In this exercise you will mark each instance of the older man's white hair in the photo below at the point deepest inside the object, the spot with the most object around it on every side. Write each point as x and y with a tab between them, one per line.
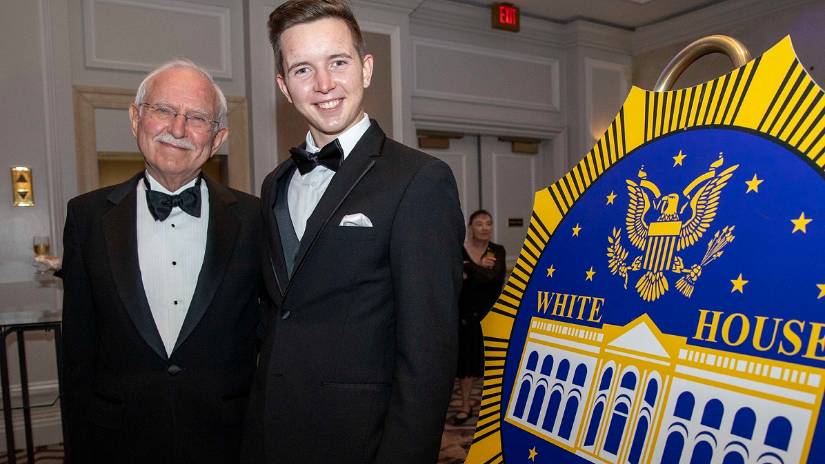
189	64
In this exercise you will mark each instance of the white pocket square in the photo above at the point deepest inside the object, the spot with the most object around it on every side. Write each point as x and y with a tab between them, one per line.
355	220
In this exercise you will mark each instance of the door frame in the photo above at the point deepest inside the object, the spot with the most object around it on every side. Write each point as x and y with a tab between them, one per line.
89	98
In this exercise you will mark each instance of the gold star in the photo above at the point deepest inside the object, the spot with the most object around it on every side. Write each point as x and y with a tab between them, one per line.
821	288
590	273
738	284
800	223
550	271
576	230
753	184
533	454
677	160
611	197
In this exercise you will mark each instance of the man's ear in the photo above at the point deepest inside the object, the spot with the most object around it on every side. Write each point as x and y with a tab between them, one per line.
282	85
218	140
366	66
134	117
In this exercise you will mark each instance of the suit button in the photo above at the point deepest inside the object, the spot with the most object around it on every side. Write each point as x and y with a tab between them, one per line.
174	369
286	314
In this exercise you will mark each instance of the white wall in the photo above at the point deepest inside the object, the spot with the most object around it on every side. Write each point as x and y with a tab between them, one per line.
28	137
548	81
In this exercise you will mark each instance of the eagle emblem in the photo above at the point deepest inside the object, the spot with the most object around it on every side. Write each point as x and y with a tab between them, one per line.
668	233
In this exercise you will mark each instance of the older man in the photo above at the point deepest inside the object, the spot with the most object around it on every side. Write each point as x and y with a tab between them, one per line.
162	282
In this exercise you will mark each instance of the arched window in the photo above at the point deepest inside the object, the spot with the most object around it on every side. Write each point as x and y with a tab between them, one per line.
743	423
684	406
673	448
629	381
535	406
580	375
638	441
547	365
652	391
532	361
570	412
552	411
593	428
712	415
733	458
521	400
564	369
616	429
607	377
779	433
702	453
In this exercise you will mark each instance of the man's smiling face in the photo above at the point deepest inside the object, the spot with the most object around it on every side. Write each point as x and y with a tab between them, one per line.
324	76
172	150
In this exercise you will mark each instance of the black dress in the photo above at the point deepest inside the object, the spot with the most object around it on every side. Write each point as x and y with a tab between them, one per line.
478	293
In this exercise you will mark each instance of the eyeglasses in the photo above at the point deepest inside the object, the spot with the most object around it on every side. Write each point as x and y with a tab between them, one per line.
195	121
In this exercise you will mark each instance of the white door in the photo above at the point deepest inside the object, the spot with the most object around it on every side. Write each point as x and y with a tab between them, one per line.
462	157
491	176
508	184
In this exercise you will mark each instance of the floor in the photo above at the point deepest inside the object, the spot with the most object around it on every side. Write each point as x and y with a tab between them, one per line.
455	440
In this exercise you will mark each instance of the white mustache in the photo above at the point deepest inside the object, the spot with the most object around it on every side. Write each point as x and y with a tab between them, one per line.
166	137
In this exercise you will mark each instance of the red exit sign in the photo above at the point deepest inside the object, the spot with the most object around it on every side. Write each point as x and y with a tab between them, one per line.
505	16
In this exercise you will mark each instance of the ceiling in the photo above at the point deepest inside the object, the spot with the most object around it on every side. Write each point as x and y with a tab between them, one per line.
628	14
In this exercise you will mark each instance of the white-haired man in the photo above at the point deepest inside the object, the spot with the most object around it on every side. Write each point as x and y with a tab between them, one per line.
161	291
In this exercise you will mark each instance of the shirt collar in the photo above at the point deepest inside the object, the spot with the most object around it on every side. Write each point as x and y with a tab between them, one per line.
347	139
157	187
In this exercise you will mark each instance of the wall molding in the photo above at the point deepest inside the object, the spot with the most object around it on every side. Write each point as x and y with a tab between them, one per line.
222	14
46	422
480	126
481	100
57	110
394	32
87	99
710	20
551	63
395	6
583	33
476	20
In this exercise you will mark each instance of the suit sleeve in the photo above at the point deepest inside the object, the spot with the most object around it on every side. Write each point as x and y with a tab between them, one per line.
78	341
426	266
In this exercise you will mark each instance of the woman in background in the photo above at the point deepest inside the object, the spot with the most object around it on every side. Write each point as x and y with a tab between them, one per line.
484	268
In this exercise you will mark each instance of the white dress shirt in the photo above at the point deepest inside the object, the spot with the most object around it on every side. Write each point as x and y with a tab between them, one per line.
305	191
170	255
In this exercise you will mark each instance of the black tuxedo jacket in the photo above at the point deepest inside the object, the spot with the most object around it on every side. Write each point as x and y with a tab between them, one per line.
126	401
359	355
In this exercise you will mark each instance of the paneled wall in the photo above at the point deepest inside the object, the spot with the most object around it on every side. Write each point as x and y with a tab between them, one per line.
536	83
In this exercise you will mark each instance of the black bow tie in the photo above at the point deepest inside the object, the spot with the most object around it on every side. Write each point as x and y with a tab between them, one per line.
331	156
161	204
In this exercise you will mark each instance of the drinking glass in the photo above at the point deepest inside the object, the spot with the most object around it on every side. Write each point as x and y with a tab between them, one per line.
41	245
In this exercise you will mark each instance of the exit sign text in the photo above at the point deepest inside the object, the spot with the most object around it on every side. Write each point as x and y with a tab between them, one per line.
505	16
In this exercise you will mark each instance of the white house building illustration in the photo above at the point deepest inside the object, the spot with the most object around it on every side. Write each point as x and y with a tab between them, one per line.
634	395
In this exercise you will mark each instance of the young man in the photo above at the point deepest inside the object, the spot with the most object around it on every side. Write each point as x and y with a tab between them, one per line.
363	264
161	279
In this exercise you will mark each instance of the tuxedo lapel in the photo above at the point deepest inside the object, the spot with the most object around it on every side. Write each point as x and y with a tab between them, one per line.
268	199
120	235
220	243
354	168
